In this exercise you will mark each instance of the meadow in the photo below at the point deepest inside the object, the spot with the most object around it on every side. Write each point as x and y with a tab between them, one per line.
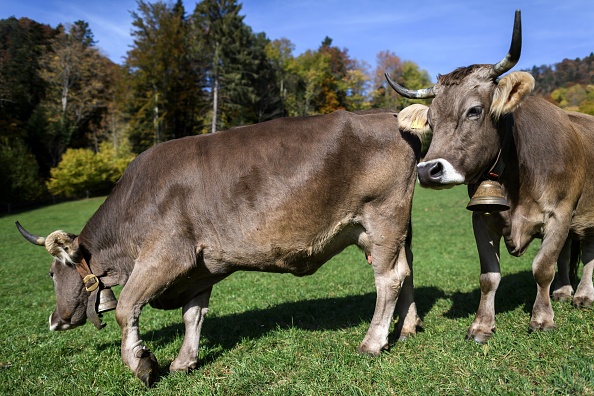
271	334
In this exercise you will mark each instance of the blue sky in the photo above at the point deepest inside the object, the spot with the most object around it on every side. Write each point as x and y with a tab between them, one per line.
439	35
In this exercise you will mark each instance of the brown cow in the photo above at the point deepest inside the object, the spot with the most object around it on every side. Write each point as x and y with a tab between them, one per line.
281	196
546	176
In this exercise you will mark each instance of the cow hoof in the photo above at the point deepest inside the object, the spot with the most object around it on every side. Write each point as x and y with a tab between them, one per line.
582	302
182	367
147	369
405	332
366	349
478	337
560	296
541	326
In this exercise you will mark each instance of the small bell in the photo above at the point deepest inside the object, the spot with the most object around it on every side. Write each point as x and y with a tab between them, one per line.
107	301
488	198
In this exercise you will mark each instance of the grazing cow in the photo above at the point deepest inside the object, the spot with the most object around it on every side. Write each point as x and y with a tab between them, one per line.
545	179
281	196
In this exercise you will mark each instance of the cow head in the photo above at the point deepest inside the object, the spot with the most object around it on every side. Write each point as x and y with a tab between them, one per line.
465	117
71	295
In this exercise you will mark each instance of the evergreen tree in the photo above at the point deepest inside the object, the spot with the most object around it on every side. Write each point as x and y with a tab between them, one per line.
235	65
162	75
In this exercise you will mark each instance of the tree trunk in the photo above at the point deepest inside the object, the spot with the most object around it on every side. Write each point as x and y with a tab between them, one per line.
215	104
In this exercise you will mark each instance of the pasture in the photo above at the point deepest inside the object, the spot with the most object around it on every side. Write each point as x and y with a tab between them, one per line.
271	334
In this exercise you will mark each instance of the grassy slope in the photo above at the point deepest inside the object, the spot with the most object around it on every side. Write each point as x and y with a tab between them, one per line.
281	335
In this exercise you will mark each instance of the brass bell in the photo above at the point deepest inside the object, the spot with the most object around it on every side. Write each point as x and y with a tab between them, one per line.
107	301
488	198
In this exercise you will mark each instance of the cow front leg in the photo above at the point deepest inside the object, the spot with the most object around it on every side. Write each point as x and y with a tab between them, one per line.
408	318
390	272
135	354
193	313
562	290
152	274
487	239
584	295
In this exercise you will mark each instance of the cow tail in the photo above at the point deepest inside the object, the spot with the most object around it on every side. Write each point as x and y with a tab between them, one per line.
574	260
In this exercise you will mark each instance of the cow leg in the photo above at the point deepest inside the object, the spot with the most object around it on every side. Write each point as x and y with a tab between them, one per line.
543	269
584	295
134	353
487	239
154	270
193	313
390	271
408	319
562	290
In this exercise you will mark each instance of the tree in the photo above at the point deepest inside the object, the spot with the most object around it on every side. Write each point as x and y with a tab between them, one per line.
322	81
280	55
77	90
82	172
19	177
22	43
405	73
163	79
233	60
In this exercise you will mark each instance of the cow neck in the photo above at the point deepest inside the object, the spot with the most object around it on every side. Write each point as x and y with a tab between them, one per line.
494	173
92	285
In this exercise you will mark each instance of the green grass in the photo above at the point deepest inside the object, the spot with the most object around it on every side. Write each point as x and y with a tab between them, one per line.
276	334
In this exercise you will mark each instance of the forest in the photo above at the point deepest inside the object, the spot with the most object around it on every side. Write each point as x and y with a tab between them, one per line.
71	119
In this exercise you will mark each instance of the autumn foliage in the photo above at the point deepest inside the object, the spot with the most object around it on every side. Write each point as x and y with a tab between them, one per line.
188	72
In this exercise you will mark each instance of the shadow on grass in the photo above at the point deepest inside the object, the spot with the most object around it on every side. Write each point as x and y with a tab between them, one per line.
226	332
514	290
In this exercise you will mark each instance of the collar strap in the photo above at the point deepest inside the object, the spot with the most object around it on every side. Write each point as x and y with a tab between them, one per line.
508	136
92	283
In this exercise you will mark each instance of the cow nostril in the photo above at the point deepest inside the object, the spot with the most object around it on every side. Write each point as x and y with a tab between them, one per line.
436	170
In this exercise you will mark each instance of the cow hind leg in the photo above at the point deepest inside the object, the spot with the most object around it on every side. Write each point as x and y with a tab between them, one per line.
584	295
408	318
390	271
543	269
562	289
193	314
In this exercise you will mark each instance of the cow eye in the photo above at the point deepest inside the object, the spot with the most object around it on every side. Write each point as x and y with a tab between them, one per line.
475	112
51	274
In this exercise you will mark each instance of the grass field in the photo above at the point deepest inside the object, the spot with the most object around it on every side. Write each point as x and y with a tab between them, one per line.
270	334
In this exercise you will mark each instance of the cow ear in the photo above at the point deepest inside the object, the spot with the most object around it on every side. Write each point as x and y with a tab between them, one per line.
413	119
510	93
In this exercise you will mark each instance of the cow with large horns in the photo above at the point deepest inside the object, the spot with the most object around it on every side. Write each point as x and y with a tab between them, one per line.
280	196
488	127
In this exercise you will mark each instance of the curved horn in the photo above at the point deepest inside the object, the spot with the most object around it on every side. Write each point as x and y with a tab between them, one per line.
409	93
34	239
513	55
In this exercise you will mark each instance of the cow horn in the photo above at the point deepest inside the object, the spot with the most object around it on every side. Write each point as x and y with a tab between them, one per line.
34	239
513	55
409	93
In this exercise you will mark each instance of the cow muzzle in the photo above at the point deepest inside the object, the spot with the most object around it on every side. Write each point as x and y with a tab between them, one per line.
57	324
438	174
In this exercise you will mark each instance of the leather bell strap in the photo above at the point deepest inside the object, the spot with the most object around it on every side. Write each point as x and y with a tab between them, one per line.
495	172
91	283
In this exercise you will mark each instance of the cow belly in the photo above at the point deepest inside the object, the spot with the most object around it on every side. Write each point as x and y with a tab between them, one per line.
299	258
184	289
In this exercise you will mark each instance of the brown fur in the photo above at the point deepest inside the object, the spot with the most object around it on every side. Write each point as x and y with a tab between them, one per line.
281	196
545	180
